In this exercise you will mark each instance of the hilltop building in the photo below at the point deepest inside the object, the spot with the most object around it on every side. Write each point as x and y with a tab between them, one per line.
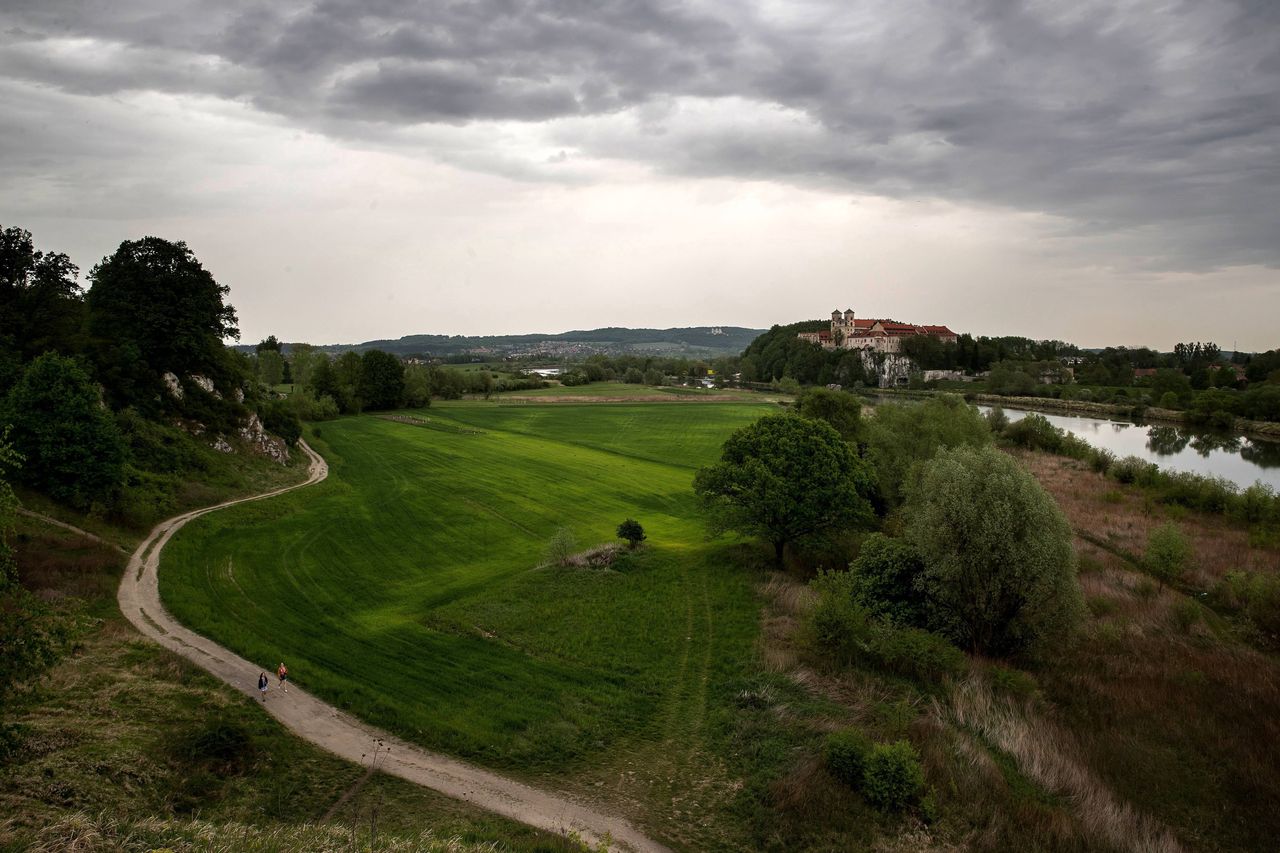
885	336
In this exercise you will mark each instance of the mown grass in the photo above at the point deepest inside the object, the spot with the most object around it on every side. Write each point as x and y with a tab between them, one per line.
408	588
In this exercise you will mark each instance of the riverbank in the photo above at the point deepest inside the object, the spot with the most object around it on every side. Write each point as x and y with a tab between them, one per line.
1263	429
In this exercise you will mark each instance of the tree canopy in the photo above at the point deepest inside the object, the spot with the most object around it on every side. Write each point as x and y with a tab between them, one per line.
784	478
153	308
842	410
73	449
999	569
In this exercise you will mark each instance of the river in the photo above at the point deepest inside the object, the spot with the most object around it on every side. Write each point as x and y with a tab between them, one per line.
1237	458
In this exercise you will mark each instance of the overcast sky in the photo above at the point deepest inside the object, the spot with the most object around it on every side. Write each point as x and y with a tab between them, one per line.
1101	172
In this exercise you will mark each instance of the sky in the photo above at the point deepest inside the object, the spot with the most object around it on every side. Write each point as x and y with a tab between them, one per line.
1101	171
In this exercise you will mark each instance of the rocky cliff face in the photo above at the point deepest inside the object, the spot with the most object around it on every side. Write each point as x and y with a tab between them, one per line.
269	445
252	431
890	369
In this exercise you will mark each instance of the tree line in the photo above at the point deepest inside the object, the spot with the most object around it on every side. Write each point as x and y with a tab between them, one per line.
93	379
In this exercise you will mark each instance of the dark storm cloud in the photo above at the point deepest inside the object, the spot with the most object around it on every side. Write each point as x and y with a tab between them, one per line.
1156	123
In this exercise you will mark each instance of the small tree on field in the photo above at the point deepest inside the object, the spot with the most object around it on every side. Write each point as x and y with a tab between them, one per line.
999	569
561	547
631	531
1168	553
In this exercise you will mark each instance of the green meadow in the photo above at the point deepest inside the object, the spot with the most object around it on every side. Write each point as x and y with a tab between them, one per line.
409	586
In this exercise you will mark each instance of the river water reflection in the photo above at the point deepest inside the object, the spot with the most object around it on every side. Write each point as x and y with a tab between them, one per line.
1237	458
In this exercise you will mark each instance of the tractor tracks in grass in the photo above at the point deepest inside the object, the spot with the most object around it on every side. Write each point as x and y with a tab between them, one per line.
340	733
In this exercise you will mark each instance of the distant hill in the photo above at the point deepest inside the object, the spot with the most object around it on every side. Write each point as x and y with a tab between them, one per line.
692	342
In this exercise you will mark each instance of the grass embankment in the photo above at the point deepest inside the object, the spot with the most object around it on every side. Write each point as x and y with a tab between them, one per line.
407	588
129	747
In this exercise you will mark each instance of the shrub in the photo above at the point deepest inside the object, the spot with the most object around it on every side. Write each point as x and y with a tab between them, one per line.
837	623
1101	460
560	548
845	754
1168	553
1256	504
892	778
997	420
1000	571
912	652
1257	595
1034	432
282	420
1131	469
1186	613
886	579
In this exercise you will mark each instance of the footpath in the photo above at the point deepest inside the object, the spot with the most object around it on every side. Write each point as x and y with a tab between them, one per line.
342	734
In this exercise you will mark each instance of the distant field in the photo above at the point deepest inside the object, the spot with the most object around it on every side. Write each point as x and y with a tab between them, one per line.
624	390
406	586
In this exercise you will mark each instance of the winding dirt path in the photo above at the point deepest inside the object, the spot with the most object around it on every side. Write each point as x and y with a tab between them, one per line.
340	733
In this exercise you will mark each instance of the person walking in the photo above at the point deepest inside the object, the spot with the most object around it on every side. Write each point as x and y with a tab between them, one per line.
262	685
283	674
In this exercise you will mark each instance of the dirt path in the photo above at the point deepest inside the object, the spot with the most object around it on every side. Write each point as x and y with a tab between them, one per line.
339	733
92	537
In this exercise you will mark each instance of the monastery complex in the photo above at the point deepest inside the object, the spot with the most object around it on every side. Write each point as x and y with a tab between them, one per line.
848	332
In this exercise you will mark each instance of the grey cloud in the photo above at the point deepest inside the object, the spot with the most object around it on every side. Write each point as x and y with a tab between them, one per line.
1152	122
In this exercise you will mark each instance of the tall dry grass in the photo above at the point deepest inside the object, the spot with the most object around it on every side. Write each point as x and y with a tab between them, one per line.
1048	754
1124	517
84	833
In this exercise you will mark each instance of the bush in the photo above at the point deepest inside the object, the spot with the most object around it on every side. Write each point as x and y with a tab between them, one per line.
1257	595
838	624
892	778
1034	432
997	420
1000	572
886	580
1131	469
279	418
845	754
307	407
1168	553
1256	504
1101	460
913	652
560	548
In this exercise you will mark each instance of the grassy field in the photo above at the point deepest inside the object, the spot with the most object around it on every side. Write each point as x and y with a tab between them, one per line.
128	747
623	390
408	588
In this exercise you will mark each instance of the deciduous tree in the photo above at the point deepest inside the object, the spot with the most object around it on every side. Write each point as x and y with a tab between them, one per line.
999	569
784	478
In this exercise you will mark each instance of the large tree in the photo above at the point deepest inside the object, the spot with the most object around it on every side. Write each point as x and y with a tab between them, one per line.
153	308
71	445
999	571
381	380
784	478
41	306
